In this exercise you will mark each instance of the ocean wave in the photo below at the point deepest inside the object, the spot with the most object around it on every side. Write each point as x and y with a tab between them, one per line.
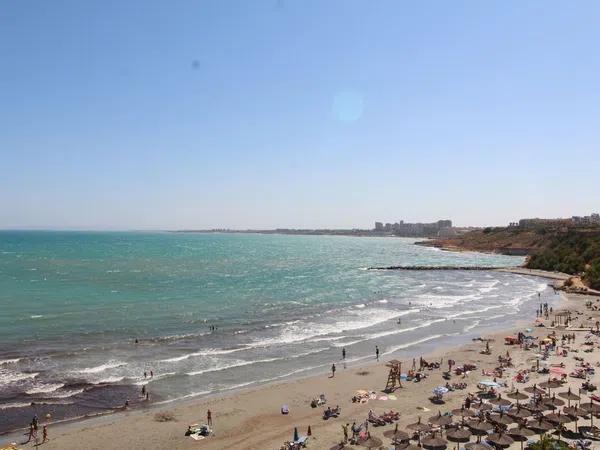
355	320
471	326
13	377
146	381
108	380
66	393
231	366
208	352
9	361
14	405
103	367
44	388
394	349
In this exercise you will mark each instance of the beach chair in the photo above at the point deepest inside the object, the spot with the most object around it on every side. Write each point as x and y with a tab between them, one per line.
301	442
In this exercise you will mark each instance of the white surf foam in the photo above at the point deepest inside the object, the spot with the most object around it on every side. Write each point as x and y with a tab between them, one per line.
103	367
239	363
14	405
208	352
44	388
9	361
14	377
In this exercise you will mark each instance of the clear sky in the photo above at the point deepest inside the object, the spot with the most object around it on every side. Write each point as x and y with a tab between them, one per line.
195	114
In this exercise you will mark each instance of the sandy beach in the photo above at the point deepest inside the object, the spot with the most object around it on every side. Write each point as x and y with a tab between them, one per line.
252	419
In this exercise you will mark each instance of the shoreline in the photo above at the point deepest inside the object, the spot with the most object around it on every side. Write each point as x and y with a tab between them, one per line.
182	407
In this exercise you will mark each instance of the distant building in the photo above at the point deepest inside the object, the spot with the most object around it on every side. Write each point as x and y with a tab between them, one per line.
402	228
575	221
537	222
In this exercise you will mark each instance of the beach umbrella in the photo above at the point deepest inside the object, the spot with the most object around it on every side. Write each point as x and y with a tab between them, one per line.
396	435
440	420
434	441
296	436
550	384
500	439
558	418
537	408
535	390
501	418
520	434
591	409
371	442
477	446
480	428
553	401
540	426
519	413
569	396
517	396
482	406
407	446
500	401
419	426
463	412
458	435
575	413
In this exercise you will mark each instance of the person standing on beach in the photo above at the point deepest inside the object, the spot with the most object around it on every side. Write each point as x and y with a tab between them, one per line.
44	433
345	428
209	418
333	370
344	353
377	353
151	374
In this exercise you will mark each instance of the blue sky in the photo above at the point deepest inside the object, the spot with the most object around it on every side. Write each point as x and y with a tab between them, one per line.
196	114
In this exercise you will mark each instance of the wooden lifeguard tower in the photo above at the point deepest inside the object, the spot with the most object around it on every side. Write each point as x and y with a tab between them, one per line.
393	380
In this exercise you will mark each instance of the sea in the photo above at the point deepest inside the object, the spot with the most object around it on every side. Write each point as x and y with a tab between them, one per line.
213	312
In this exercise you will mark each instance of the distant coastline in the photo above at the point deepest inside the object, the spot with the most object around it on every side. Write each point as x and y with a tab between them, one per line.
307	232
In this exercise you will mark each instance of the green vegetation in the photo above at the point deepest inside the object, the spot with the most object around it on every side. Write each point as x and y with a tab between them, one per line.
548	442
573	252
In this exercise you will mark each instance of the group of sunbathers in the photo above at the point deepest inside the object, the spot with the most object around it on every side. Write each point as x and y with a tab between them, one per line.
383	419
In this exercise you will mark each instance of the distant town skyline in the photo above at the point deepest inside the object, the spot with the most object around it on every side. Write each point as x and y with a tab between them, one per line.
276	114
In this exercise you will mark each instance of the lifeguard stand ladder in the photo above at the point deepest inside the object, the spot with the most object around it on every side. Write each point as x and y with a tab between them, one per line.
393	375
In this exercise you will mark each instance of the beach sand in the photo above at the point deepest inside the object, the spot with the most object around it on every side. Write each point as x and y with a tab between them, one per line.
251	419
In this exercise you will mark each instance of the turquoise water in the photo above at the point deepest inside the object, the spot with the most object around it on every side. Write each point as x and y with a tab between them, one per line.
72	304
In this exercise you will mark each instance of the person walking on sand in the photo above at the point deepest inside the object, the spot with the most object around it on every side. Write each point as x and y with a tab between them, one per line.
333	370
209	418
44	433
377	353
344	353
31	432
345	428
